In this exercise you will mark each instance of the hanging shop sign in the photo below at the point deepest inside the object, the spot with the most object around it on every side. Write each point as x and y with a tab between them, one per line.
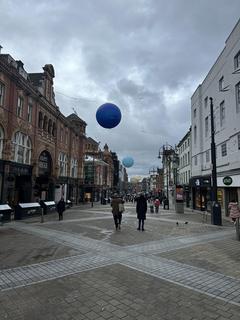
227	180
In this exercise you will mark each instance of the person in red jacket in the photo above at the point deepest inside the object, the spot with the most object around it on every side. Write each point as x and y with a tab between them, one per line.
156	204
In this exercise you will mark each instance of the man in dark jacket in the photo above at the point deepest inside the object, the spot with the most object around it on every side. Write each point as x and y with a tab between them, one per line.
141	209
61	208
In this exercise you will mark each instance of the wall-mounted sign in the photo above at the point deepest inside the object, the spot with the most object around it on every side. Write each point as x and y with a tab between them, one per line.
179	193
44	163
227	181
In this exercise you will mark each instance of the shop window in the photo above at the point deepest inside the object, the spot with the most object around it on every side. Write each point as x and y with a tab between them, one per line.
22	148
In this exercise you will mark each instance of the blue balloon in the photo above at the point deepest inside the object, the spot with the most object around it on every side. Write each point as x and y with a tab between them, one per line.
108	115
128	162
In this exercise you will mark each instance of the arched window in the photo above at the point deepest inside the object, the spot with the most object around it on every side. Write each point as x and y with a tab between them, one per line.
45	122
62	161
22	148
74	168
1	141
50	126
40	120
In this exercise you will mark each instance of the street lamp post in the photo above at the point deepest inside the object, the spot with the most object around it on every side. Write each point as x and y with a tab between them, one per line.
93	181
216	217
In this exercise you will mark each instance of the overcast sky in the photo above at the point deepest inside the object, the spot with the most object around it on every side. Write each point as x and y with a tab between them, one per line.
146	56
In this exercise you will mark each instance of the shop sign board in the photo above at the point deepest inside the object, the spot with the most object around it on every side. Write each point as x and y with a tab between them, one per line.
227	180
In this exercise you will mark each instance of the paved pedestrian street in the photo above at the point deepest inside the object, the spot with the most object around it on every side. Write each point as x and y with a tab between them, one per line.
82	268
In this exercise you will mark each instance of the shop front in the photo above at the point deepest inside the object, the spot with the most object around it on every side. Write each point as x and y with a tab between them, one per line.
17	183
45	183
201	192
230	188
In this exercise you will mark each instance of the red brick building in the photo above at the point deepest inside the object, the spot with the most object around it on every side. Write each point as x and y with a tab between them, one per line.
41	150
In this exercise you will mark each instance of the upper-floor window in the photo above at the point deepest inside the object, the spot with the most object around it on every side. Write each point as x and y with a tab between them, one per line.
188	157
54	129
45	123
66	137
195	113
2	92
207	156
239	142
62	161
29	111
237	92
222	113
1	141
61	134
49	126
237	61
74	167
22	148
20	102
195	160
224	149
40	120
195	134
221	83
188	142
206	126
206	102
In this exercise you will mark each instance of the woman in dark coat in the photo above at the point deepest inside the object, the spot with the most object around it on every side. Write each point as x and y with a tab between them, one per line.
141	209
61	208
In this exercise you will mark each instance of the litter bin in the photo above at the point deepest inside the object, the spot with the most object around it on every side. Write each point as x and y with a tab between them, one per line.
48	206
24	210
5	212
216	214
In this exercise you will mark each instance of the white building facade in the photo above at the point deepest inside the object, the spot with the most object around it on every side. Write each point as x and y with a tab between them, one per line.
184	165
222	83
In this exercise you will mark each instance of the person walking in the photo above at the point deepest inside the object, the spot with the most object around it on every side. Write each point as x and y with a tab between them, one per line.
117	215
234	210
156	204
141	209
61	208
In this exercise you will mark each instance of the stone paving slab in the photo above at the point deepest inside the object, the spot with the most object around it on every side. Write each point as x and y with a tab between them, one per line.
111	293
219	256
18	248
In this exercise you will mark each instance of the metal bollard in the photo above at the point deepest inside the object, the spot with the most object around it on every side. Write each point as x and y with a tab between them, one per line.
1	219
42	216
237	229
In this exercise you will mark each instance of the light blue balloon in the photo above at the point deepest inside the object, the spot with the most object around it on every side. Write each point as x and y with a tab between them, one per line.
128	162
